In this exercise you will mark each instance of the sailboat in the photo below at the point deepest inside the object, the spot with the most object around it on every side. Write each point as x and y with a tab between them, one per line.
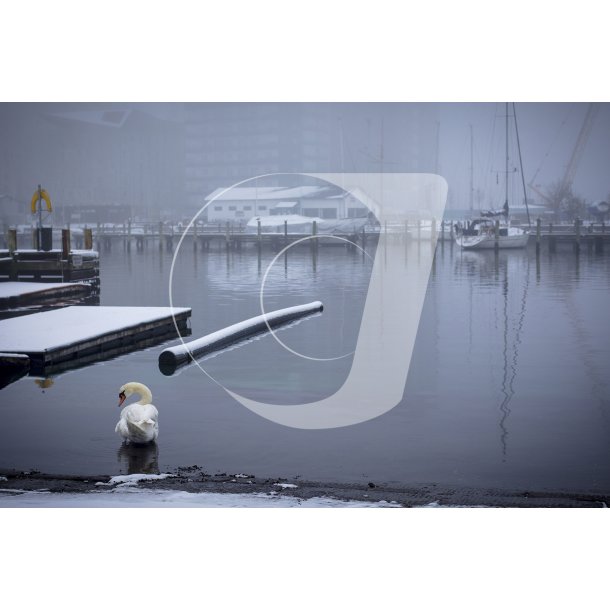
480	233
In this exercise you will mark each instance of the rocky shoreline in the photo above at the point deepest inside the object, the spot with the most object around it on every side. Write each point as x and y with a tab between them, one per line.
193	479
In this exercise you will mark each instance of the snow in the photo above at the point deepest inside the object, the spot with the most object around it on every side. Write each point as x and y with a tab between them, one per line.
240	330
286	485
3	479
263	193
134	479
15	289
86	253
302	224
140	498
437	505
62	327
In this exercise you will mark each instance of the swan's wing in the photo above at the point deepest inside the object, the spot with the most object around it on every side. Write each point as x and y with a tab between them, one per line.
137	413
149	412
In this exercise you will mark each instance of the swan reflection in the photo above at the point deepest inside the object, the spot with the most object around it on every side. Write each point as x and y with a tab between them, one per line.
139	459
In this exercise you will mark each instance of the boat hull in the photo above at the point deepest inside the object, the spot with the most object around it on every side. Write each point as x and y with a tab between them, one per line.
488	242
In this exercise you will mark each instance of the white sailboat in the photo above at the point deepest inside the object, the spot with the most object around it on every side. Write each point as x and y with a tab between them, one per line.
480	233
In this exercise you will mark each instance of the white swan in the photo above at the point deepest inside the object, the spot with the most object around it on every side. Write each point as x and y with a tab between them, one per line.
139	421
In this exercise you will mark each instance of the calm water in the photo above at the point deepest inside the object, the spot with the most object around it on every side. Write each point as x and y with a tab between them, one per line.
508	385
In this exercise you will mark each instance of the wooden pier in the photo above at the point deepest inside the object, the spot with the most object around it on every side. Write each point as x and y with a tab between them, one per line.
62	264
73	265
12	368
578	235
20	294
62	339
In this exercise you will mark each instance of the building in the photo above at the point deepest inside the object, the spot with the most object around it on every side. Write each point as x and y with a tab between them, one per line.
91	155
240	204
229	143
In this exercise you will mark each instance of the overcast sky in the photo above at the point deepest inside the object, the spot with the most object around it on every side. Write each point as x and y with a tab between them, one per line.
548	133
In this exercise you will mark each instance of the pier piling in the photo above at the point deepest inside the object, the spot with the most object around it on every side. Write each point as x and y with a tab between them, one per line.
65	244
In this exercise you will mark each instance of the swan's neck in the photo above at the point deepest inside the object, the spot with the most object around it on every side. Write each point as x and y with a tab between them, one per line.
145	395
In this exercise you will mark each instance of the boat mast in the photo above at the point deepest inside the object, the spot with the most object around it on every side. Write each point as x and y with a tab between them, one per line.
506	168
471	170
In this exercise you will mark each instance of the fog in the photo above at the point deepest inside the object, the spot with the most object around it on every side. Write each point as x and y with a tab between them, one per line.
158	159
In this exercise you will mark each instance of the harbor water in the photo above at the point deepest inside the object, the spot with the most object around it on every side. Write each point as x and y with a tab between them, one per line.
508	385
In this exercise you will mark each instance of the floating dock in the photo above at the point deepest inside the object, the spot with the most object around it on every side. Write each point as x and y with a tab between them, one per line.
18	294
71	337
173	357
51	265
12	367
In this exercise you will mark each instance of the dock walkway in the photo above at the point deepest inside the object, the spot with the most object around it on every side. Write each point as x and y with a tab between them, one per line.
74	336
17	294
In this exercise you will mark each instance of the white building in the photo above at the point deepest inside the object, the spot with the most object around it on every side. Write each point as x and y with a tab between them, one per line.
240	204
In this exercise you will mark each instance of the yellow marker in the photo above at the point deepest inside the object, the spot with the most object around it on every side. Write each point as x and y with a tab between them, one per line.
38	194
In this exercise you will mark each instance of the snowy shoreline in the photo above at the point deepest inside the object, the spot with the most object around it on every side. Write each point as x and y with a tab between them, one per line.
191	486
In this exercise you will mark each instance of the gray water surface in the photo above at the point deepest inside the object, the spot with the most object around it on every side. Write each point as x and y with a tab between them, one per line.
508	385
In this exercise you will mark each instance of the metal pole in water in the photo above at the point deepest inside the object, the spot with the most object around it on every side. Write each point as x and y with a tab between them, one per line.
285	244
538	221
65	244
39	217
12	240
314	242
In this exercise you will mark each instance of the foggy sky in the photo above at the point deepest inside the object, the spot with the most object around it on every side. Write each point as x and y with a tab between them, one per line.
158	158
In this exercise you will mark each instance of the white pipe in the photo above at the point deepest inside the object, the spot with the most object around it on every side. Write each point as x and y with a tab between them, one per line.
172	357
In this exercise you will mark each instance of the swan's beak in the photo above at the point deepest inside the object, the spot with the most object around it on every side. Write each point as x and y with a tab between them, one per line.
122	398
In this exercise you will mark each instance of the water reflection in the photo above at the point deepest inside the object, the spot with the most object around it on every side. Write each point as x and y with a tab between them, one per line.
507	387
511	355
490	273
139	459
45	383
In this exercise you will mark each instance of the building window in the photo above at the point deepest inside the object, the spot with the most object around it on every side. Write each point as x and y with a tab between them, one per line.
313	212
329	212
262	207
232	208
357	213
218	208
247	207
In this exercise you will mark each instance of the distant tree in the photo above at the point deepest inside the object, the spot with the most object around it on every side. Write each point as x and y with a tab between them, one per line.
564	202
574	206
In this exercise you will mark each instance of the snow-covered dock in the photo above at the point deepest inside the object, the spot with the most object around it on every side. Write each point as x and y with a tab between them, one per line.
73	336
173	357
16	294
58	265
12	367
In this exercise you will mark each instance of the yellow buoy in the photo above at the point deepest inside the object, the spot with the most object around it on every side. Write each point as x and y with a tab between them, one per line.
41	194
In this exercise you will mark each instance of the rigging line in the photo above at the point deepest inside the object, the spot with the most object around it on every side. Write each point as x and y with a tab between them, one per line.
527	209
565	120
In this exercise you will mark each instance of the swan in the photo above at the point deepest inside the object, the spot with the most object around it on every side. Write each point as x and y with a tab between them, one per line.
139	421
